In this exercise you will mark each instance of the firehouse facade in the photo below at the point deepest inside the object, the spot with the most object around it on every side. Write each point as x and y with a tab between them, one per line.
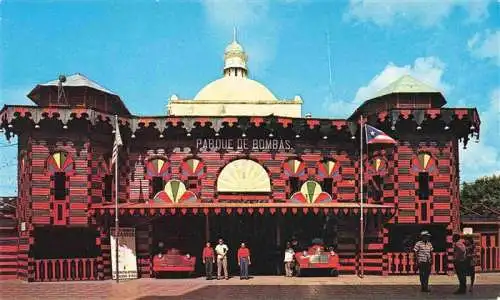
234	162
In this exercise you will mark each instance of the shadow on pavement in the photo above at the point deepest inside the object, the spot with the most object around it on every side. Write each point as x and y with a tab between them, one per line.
350	292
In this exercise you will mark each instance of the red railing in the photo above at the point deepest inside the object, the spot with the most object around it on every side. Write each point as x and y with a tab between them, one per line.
404	263
65	269
490	259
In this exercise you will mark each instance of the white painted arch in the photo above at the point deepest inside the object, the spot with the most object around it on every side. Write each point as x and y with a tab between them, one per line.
243	176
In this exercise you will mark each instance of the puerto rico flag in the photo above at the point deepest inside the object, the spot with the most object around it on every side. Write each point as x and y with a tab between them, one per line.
375	136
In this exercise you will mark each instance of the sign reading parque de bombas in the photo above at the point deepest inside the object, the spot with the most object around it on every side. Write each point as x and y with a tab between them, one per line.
244	144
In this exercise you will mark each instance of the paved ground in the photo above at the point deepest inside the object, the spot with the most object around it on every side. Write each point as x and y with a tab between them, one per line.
264	287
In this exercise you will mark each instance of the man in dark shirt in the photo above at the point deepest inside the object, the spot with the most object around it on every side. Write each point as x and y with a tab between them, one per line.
459	259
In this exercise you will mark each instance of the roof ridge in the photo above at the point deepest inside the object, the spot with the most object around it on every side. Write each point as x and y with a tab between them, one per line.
399	86
79	79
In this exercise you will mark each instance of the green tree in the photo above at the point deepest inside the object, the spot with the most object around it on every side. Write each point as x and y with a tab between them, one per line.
485	191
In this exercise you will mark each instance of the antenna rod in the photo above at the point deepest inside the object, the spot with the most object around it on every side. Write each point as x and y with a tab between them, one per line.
61	96
330	79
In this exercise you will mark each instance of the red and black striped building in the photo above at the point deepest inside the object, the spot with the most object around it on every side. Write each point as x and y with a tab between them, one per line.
261	179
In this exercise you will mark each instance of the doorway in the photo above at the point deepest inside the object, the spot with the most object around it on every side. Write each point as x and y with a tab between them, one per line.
267	235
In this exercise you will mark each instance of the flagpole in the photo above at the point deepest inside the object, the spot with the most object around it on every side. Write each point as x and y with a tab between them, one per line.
361	219
117	225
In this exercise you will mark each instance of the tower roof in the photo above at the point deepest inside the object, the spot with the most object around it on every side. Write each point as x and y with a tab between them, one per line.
79	80
406	84
76	86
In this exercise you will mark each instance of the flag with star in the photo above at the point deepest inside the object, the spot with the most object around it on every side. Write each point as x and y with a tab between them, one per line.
376	136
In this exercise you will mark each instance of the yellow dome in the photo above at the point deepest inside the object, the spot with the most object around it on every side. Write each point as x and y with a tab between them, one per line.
235	88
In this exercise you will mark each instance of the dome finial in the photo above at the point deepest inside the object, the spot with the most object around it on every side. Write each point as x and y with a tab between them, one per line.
235	59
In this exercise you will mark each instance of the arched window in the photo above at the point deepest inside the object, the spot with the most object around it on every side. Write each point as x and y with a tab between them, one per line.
157	171
243	176
192	170
377	168
294	170
328	170
59	165
424	165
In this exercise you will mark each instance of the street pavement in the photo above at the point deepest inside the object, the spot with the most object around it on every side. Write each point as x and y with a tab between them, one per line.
261	287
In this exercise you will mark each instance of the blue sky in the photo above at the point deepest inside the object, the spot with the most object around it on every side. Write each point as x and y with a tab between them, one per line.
148	50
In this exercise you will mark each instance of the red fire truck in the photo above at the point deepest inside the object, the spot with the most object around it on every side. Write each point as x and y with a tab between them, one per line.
317	257
173	260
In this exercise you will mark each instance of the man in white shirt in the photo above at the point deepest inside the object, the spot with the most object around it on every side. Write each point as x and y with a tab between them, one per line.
289	255
221	251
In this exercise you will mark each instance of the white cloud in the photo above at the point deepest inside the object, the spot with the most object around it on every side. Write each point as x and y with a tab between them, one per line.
429	70
426	13
8	166
254	23
483	158
339	108
15	95
478	160
426	69
485	45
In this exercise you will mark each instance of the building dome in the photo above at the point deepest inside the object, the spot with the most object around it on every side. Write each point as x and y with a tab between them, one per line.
235	88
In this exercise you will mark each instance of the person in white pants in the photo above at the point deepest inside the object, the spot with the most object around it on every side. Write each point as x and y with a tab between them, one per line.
221	250
289	254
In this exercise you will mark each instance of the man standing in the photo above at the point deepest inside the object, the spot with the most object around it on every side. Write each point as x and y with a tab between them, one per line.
470	261
423	251
221	250
244	261
208	260
289	254
459	259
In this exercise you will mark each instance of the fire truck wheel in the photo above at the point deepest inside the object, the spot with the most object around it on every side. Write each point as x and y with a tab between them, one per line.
334	273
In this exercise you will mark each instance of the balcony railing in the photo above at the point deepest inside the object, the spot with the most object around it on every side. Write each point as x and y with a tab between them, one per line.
405	263
65	269
490	260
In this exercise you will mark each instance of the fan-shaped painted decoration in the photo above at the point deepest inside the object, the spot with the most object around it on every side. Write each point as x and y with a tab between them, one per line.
192	167
294	168
243	176
424	162
377	166
175	192
157	167
311	192
328	168
60	162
